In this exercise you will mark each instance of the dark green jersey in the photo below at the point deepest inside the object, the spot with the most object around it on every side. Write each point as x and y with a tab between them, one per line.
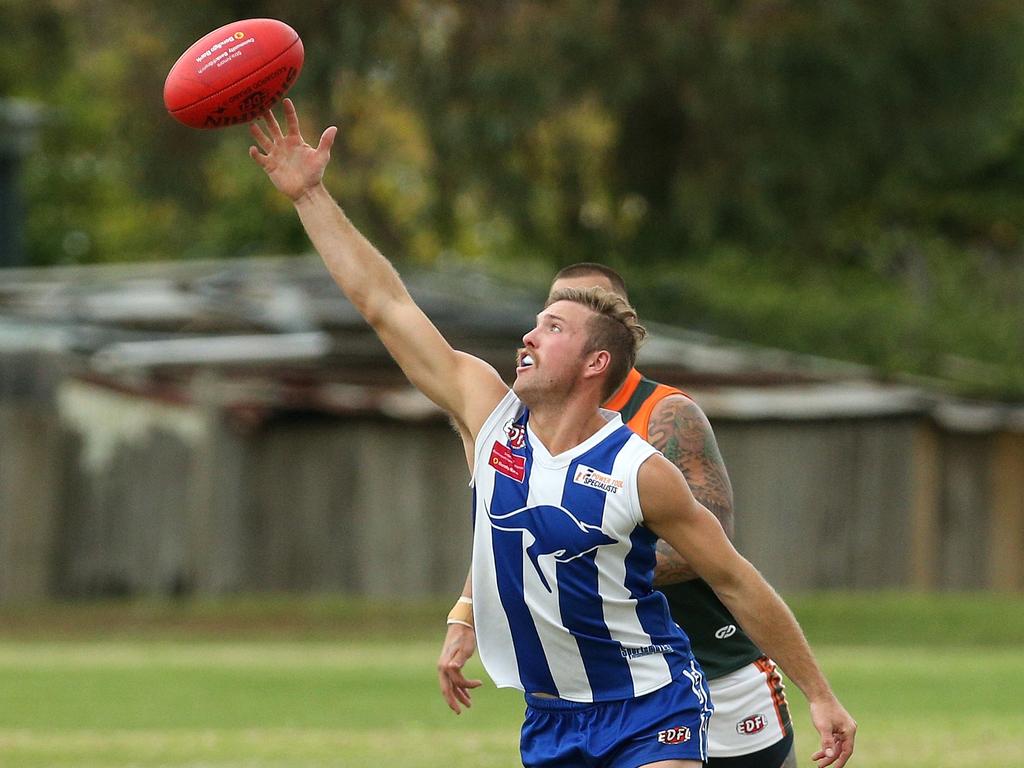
718	642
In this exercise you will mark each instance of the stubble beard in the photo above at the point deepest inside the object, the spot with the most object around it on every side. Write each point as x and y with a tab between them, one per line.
541	394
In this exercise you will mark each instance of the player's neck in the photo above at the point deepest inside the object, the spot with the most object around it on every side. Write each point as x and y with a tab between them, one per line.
561	428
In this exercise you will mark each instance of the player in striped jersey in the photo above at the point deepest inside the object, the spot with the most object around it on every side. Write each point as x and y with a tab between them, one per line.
568	506
751	727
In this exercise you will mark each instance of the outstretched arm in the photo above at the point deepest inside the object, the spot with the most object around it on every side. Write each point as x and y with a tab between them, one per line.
671	512
461	384
680	430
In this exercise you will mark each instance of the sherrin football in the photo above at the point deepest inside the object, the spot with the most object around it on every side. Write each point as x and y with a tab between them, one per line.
233	74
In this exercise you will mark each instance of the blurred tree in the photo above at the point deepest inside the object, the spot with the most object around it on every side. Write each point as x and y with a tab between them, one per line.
841	177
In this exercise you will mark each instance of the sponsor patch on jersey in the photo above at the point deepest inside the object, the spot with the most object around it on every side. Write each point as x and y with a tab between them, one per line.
591	478
647	650
727	631
507	463
677	735
516	434
751	724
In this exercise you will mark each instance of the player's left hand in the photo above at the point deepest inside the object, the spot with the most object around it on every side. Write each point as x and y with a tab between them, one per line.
459	646
837	730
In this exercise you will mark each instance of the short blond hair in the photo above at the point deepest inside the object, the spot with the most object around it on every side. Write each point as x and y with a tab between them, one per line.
615	328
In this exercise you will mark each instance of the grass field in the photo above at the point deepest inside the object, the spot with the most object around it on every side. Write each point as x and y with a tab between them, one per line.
272	683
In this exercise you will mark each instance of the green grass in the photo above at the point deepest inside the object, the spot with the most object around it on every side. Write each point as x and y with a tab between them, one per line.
268	684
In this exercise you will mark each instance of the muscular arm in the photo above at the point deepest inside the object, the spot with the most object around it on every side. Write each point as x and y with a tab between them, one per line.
461	384
680	430
671	511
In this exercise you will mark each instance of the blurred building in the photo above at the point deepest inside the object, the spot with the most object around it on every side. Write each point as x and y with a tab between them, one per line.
221	427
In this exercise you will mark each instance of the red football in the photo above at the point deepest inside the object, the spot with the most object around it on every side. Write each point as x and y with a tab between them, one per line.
233	74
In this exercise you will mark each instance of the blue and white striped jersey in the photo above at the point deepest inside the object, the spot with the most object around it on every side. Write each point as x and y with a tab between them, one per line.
562	565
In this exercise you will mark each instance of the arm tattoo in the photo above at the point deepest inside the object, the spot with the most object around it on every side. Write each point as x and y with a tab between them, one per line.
680	430
669	566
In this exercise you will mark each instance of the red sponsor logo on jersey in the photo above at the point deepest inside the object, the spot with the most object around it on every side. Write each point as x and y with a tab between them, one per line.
516	434
507	463
751	724
676	735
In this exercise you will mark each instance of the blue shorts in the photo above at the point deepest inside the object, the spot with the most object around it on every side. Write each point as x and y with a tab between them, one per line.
670	723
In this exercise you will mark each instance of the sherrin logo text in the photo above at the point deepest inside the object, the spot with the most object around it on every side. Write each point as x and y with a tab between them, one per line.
591	478
676	735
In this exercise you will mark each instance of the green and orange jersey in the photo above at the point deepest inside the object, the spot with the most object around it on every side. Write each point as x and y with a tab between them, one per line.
718	642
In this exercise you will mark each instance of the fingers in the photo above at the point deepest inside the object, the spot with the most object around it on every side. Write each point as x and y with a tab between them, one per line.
454	690
327	139
261	138
269	138
455	687
459	681
273	127
835	751
824	754
828	752
845	750
461	695
448	693
258	156
291	118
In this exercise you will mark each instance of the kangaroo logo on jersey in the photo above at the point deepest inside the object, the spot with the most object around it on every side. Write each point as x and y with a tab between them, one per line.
556	533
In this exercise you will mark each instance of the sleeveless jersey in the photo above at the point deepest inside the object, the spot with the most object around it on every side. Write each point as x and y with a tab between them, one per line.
717	641
562	565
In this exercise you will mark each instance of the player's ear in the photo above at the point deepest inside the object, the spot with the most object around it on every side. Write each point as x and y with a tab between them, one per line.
597	363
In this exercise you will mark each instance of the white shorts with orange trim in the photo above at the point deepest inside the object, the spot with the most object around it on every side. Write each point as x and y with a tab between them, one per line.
751	712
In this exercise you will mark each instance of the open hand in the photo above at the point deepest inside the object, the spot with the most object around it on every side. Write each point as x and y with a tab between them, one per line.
292	165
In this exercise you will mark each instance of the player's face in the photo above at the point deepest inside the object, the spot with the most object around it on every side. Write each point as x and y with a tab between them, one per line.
551	360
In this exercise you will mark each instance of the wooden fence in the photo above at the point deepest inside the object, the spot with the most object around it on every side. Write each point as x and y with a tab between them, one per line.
105	492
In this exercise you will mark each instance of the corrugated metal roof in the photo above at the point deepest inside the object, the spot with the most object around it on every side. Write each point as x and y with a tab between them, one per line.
280	334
